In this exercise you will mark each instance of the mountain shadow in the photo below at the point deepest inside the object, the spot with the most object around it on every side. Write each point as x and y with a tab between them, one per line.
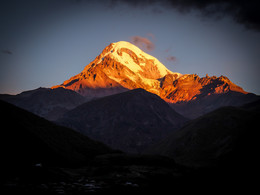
208	139
220	147
208	103
27	140
129	121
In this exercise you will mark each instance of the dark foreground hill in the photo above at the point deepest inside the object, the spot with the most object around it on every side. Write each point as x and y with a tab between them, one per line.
208	140
39	157
222	147
27	139
129	121
37	163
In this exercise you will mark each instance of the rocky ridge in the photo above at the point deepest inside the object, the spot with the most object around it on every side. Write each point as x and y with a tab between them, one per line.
122	66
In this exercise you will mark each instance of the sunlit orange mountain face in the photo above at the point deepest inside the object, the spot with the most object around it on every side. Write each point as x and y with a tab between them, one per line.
122	66
119	67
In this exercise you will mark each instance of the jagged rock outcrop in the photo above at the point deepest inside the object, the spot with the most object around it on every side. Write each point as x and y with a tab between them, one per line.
191	86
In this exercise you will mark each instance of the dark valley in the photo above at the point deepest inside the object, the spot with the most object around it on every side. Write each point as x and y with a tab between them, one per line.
127	124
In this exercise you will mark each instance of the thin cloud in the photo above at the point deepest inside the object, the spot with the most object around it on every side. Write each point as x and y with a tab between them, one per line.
143	43
151	35
171	58
6	51
169	49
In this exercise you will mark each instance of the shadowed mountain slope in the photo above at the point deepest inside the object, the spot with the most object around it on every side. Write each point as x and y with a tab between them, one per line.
205	104
27	139
227	135
45	102
129	121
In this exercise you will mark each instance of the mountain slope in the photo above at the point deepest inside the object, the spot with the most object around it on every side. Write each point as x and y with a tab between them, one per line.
205	104
129	121
119	67
27	139
47	103
192	87
122	66
228	134
193	96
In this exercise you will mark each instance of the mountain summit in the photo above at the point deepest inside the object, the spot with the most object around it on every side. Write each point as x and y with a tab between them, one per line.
120	66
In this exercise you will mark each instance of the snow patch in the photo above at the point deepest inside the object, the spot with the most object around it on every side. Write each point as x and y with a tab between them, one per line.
151	82
140	54
115	79
127	60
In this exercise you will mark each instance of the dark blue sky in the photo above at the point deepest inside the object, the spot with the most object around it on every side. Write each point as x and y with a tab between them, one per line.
44	43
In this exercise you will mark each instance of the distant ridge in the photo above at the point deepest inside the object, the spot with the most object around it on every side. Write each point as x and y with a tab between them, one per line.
45	102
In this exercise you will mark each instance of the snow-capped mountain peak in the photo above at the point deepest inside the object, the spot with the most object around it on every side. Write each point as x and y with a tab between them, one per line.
134	58
122	66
